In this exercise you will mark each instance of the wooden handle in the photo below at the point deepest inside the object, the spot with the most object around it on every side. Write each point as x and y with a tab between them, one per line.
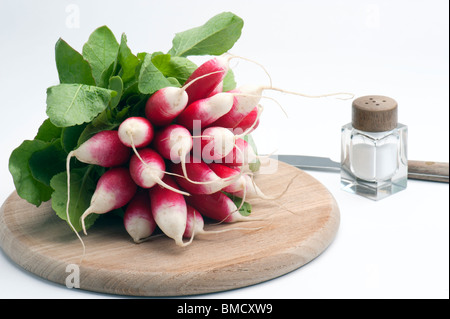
429	171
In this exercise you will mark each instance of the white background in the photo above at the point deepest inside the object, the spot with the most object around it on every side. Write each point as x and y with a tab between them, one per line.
394	248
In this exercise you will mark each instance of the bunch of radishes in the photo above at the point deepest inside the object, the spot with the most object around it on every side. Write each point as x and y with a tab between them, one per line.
179	162
162	153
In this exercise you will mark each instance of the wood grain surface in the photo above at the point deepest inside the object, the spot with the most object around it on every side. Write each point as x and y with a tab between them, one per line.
428	170
298	227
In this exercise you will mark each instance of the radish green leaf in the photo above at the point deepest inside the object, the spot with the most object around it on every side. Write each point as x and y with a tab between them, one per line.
215	37
72	104
100	51
71	66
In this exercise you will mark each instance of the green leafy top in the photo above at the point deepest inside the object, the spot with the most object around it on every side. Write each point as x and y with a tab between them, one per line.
99	88
215	37
100	51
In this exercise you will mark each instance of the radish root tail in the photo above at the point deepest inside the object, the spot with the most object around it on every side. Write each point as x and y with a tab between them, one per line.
198	78
161	183
86	213
348	95
69	157
260	194
233	56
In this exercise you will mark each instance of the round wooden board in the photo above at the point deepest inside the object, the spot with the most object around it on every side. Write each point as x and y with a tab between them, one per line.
294	234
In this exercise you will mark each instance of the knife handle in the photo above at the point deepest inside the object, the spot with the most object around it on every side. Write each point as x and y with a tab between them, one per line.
429	171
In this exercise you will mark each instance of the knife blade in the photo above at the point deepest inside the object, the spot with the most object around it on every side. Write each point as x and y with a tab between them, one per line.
420	170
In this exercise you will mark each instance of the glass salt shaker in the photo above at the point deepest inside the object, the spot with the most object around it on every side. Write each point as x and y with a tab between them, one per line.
374	160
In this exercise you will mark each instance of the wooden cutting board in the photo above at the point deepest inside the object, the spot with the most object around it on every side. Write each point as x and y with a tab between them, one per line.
299	226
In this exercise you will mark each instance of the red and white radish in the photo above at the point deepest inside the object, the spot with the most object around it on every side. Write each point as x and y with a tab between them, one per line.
138	219
169	210
115	189
246	98
216	143
148	169
206	111
104	149
204	87
166	104
173	142
136	132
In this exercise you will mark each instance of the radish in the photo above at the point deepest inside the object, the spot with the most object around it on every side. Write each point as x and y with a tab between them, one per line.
247	97
195	225
136	132
148	169
104	149
200	178
203	88
173	142
138	219
206	87
169	210
115	189
165	104
206	110
217	206
217	142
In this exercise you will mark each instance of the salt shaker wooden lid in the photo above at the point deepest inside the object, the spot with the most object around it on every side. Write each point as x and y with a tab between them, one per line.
374	113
